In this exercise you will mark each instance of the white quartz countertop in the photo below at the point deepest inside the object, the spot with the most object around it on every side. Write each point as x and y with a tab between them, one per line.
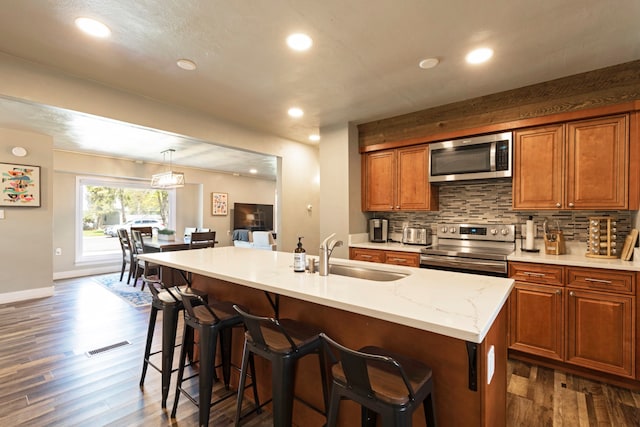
575	256
457	305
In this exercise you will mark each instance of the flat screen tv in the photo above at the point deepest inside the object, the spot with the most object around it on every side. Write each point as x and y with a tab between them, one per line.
251	216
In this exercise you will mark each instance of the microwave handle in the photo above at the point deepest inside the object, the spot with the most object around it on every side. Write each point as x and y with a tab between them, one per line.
492	157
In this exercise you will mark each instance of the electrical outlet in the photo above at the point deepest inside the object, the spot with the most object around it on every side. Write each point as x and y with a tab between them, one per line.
1	213
58	251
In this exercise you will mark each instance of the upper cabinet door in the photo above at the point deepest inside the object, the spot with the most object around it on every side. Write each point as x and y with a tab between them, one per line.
379	178
413	182
395	180
597	164
538	179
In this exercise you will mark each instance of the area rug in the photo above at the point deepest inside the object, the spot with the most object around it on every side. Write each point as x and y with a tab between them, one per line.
133	296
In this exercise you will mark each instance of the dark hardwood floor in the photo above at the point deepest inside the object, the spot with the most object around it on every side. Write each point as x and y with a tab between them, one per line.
47	379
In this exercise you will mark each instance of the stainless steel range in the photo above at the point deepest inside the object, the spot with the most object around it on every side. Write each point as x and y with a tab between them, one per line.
471	248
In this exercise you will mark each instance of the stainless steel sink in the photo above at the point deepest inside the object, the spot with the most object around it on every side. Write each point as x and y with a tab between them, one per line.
366	273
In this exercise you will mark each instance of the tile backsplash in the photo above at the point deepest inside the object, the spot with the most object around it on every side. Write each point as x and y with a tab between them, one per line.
489	201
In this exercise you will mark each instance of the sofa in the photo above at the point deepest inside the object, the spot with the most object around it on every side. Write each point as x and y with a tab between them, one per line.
254	239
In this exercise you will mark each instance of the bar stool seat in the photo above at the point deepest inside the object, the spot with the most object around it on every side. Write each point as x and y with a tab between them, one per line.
382	382
282	342
213	320
169	301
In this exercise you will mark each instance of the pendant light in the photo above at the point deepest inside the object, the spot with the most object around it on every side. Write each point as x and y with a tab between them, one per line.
169	179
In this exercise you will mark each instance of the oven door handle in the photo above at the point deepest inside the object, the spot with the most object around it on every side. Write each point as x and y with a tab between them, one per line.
455	262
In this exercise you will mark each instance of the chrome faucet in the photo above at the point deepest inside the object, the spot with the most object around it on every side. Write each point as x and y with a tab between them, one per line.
326	248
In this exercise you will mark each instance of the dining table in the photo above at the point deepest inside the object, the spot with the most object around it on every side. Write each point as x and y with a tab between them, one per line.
168	276
156	245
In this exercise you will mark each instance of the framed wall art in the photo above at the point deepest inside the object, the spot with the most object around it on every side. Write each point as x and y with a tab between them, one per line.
19	185
218	203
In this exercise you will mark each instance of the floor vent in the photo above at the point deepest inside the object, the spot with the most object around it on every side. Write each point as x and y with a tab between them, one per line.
107	348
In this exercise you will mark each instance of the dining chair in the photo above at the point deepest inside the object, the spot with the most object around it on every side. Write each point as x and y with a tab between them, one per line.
142	268
128	255
206	239
188	231
146	231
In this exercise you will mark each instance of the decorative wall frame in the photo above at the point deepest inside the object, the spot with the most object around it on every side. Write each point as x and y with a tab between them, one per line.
219	204
19	185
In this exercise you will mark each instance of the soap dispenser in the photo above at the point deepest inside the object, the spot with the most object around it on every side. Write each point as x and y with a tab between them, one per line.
299	258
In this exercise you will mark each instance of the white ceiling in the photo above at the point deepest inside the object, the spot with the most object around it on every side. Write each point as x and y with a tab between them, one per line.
363	64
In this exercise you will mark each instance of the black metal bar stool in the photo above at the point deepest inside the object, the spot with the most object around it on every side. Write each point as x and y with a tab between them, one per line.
381	382
282	342
213	320
170	303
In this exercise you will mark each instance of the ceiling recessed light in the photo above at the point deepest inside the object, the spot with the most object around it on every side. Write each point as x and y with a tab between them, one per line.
295	112
253	171
299	41
428	63
478	56
92	27
19	151
314	137
186	64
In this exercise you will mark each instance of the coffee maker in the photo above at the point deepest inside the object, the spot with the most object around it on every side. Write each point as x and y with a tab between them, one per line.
378	230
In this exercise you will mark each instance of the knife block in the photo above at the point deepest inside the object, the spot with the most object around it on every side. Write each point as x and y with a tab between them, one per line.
554	243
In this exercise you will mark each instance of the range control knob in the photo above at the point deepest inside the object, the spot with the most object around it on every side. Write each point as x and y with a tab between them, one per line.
505	231
493	231
452	229
444	229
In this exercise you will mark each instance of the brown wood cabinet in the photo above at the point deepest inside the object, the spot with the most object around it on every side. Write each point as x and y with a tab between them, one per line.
576	165
395	180
408	259
370	255
536	310
579	316
600	331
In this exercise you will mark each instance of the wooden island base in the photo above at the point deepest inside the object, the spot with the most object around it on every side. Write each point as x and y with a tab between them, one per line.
456	404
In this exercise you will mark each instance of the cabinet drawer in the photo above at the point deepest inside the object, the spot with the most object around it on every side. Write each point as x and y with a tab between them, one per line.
604	280
536	273
370	255
403	258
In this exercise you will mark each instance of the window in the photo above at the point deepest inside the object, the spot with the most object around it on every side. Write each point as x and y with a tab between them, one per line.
106	205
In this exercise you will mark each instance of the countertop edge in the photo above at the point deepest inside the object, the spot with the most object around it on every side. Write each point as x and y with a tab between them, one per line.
277	280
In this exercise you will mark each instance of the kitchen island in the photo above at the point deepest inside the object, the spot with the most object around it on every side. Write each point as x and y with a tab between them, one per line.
454	322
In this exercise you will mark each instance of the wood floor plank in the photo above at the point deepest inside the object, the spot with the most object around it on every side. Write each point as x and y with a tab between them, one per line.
46	379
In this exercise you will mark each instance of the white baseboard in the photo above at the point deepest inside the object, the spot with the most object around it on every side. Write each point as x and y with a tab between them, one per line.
28	294
86	272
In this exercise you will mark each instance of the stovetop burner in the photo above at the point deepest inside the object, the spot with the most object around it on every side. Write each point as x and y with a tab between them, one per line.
481	248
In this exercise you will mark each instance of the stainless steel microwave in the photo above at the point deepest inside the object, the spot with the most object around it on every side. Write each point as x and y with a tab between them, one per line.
480	157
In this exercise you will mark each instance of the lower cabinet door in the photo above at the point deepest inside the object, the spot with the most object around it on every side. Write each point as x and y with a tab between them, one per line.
601	331
537	317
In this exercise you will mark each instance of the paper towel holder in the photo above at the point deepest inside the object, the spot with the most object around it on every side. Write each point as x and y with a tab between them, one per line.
522	245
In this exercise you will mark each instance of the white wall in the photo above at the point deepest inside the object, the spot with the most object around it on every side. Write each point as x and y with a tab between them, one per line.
26	232
340	190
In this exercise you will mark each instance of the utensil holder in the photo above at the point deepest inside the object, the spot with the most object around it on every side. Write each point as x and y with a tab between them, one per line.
554	242
601	240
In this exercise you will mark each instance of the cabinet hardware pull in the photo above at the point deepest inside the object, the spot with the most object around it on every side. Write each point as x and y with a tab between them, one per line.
558	205
571	293
558	292
529	273
571	204
398	259
366	256
607	282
